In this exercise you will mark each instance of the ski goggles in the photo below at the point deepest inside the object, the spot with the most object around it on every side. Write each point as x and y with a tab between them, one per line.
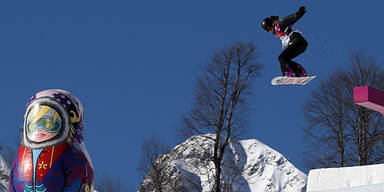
43	117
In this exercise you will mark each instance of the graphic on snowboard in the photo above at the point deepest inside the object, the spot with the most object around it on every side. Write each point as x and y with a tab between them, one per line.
282	80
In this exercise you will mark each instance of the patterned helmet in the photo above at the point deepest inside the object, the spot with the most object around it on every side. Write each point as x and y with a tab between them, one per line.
54	111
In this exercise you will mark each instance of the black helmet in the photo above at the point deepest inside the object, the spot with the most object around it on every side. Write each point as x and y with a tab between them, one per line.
267	23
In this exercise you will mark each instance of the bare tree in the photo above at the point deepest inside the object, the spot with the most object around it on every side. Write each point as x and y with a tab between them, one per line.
325	114
233	176
221	106
151	166
108	184
339	132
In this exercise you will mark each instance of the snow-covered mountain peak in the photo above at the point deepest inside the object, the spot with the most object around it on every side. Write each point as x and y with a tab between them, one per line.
6	155
248	165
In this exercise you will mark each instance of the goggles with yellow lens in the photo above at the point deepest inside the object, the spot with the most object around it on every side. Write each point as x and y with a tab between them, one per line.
43	117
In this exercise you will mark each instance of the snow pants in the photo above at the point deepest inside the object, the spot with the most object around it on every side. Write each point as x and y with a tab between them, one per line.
286	56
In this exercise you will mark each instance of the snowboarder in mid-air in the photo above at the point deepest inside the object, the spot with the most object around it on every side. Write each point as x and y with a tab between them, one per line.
293	42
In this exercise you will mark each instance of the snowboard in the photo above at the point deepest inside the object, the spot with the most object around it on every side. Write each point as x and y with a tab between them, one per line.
281	80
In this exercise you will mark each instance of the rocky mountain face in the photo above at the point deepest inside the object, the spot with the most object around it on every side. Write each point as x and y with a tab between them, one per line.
6	157
248	166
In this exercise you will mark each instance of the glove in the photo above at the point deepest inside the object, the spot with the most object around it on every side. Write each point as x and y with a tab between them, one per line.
302	10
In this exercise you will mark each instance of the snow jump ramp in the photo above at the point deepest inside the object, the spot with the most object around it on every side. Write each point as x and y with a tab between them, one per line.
368	178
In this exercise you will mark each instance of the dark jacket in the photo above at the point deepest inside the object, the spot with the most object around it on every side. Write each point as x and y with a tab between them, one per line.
285	25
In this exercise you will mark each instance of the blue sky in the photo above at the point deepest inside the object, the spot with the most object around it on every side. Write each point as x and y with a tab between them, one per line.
133	65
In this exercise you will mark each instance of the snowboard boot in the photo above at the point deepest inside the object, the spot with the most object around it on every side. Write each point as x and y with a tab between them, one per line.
289	72
301	71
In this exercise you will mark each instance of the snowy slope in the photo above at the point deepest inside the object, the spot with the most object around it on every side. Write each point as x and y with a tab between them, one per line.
368	178
363	188
249	165
6	156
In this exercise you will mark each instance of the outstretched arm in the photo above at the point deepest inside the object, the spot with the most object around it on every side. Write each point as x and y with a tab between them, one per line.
293	18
